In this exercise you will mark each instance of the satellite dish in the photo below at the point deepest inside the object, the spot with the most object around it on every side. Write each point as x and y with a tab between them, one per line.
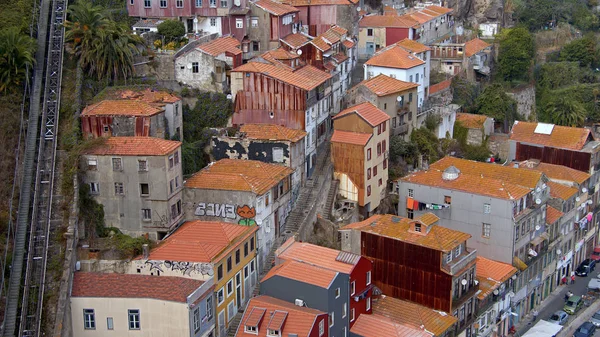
558	251
537	228
299	51
229	96
577	199
584	190
189	66
196	19
463	282
358	9
538	189
496	292
543	186
538	201
399	98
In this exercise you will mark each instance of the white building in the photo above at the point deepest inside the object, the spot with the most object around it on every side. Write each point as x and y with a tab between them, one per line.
422	52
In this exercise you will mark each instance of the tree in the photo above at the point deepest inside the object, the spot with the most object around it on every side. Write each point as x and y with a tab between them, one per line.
515	54
400	149
581	50
494	102
16	55
172	30
566	111
464	93
427	143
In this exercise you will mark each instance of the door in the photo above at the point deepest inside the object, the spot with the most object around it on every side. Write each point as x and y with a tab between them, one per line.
190	25
239	297
370	48
247	286
222	327
277	231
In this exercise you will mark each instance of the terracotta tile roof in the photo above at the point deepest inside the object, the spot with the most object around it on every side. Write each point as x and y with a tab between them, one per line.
348	137
413	46
221	45
389	10
279	54
475	46
147	95
201	241
293	319
321	43
383	85
374	21
561	191
471	121
419	17
394	57
239	175
378	325
276	8
340	31
552	215
332	259
296	40
320	2
557	172
562	137
491	274
412	314
134	146
395	227
479	178
122	108
367	111
113	285
307	77
444	85
339	57
348	43
272	132
303	272
440	10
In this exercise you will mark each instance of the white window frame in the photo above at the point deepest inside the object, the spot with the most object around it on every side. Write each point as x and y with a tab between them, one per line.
344	310
160	3
337	292
368	277
89	319
352	317
486	230
321	327
110	324
458	250
198	5
209	308
119	188
487	208
239	23
133	318
92	164
352	287
142	165
411	193
196	320
254	21
147	3
332	319
222	291
368	303
94	188
179	3
213	21
449	257
117	164
146	214
232	287
251	329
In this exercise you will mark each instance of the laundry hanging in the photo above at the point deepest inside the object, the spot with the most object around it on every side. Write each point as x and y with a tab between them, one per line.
409	203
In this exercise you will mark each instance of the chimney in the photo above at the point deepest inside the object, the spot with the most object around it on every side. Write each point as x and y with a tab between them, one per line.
146	251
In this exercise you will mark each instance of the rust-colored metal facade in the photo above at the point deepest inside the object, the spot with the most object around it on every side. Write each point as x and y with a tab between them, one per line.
573	159
102	126
408	272
350	159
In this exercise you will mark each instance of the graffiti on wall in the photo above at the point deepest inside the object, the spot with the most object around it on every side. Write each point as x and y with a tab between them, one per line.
186	268
247	214
213	209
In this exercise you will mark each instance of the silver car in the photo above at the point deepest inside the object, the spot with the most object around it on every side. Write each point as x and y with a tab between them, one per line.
560	317
596	319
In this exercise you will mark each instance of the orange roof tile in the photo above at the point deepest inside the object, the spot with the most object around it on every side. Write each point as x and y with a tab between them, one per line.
148	95
307	77
339	30
440	10
279	54
419	17
479	178
394	57
491	274
348	43
383	85
552	215
239	175
134	146
272	132
121	108
562	137
374	21
367	111
296	40
276	8
378	325
475	46
435	88
339	57
114	285
471	121
321	43
557	172
332	259
303	272
412	314
348	137
293	319
561	191
201	241
413	46
298	3
395	227
221	45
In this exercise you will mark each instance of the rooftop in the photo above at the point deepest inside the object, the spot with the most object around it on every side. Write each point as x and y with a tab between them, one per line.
383	85
221	45
324	257
378	325
562	137
331	36
276	8
148	95
561	191
412	314
272	132
296	40
307	77
474	46
367	111
122	108
303	272
376	21
134	146
491	274
394	57
348	43
266	312
201	241
552	215
556	172
320	2
114	285
487	179
347	137
278	55
412	46
239	175
436	88
471	121
397	228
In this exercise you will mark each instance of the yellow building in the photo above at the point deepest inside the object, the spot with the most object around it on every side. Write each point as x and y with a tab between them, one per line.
210	249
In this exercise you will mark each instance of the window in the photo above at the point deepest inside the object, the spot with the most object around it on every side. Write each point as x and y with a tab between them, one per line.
368	277
92	164
195	70
457	251
516	233
131	2
410	78
119	189
117	164
213	21
224	3
418	227
384	164
337	292
410	213
134	319
352	315
213	3
417	78
255	46
374	171
163	3
94	188
237	256
368	173
250	329
209	308
410	97
89	319
177	182
220	296
229	287
196	320
331	319
228	264
487	208
219	272
171	186
411	193
278	154
273	333
146	214
369	32
368	154
352	288
449	257
383	143
198	3
144	189
380	182
447	200
254	21
379	149
109	323
251	244
245	249
344	310
486	230
384	126
142	165
369	190
179	3
147	4
321	327
368	303
239	23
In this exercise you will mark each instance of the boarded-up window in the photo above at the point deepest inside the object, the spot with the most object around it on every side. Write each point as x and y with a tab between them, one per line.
278	154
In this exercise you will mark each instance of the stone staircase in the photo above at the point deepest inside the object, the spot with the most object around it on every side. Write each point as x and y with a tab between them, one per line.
327	212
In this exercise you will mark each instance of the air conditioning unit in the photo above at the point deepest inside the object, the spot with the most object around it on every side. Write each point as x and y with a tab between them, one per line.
299	302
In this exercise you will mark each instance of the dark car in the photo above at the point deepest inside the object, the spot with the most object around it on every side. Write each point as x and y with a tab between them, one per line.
586	267
586	329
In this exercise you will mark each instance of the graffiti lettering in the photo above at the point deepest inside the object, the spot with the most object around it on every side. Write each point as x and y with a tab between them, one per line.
186	268
219	210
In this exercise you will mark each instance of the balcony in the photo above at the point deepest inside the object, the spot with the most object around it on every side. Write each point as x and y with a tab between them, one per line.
459	264
457	302
402	129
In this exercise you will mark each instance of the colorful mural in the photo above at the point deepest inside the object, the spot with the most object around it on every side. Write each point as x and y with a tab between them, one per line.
247	214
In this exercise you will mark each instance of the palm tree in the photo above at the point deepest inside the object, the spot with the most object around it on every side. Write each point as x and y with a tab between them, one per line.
566	112
16	56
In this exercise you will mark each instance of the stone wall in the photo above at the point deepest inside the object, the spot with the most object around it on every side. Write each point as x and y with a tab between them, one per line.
525	97
498	144
474	136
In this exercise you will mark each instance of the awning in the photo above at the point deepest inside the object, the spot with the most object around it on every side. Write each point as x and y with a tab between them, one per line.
539	239
543	329
519	264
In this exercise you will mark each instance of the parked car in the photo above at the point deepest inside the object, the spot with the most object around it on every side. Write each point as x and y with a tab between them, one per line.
586	329
574	303
560	317
596	319
596	254
586	267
